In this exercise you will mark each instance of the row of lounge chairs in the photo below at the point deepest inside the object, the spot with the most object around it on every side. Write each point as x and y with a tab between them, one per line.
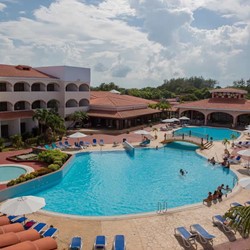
78	145
196	230
241	144
17	232
100	242
189	236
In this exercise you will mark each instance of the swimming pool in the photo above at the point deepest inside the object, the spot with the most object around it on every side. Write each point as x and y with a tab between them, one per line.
9	172
118	183
216	133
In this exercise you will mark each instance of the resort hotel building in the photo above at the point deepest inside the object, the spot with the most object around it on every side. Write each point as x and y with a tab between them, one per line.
24	89
227	107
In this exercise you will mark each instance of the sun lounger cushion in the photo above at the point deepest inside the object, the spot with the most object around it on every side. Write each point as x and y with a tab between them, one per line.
4	220
16	227
235	204
14	238
40	226
218	219
119	242
100	242
76	243
187	237
44	243
50	232
202	233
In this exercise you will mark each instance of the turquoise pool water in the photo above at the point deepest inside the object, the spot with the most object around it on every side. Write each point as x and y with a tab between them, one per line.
10	172
216	133
117	183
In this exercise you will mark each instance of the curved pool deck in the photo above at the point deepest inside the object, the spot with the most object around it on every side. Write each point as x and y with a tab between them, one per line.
149	231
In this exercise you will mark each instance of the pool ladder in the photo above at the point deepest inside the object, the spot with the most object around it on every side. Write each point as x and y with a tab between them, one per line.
162	207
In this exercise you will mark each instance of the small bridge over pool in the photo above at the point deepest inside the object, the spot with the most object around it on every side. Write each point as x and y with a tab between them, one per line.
200	142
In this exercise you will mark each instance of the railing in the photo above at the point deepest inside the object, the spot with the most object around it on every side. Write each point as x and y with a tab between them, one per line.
191	133
162	207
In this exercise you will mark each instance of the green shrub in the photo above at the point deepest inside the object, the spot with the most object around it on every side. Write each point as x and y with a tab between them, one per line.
52	156
43	171
31	141
11	183
54	167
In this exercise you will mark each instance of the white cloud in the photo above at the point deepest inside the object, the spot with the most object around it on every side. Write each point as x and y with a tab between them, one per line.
133	43
2	6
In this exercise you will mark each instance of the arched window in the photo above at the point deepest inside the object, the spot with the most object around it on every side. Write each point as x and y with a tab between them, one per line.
71	103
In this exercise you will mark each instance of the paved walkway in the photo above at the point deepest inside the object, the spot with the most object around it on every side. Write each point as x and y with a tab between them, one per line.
153	231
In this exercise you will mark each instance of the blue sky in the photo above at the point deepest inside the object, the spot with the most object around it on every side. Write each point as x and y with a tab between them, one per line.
134	43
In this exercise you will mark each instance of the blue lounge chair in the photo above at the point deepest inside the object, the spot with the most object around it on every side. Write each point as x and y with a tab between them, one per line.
101	142
13	217
61	145
66	143
94	143
144	143
19	220
87	144
204	236
235	204
77	145
39	227
100	242
47	147
76	243
119	243
82	145
247	203
221	221
50	232
54	146
187	237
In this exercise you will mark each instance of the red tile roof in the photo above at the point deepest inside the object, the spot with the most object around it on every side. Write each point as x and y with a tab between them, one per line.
105	98
229	90
122	114
218	104
21	71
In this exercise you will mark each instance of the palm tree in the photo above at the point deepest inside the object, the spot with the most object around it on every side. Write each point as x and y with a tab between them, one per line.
41	115
225	142
233	137
240	219
78	116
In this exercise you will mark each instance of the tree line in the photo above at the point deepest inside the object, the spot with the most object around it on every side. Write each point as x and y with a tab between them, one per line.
186	89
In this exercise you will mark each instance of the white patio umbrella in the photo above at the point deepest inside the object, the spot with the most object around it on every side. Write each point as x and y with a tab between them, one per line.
114	91
245	183
168	120
22	205
184	118
142	132
247	131
175	119
77	135
245	153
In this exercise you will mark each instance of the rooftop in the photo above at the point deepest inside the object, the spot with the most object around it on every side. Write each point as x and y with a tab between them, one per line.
219	104
105	98
229	90
21	71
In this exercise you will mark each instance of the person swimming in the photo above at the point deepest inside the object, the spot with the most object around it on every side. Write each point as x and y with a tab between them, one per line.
183	172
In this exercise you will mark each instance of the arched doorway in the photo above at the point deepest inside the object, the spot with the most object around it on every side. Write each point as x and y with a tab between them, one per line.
243	120
220	119
196	117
